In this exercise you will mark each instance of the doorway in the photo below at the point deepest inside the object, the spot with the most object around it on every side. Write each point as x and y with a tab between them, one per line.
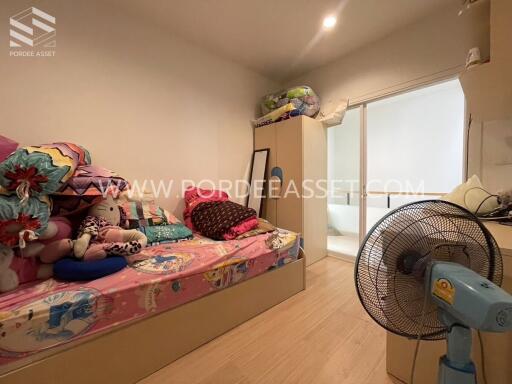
390	152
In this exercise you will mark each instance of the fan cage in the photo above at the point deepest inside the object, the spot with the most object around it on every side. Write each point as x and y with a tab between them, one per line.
392	292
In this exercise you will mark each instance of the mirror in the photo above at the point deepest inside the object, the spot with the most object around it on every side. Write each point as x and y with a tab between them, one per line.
257	179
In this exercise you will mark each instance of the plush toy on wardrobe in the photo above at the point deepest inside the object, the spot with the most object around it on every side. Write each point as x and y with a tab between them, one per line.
100	235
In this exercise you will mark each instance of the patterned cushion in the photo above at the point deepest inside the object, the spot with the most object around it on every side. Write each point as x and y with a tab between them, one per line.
40	170
17	218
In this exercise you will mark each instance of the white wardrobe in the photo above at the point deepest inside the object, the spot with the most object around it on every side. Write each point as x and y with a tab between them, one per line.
298	152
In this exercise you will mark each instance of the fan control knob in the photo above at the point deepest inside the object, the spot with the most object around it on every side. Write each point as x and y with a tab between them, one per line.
504	318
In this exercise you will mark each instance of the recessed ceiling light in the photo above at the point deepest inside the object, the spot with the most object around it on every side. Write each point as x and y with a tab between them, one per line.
329	22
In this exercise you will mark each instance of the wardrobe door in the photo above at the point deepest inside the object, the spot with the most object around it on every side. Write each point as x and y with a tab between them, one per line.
315	200
289	159
265	137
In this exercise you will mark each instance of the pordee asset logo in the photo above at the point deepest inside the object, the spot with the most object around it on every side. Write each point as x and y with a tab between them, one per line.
32	33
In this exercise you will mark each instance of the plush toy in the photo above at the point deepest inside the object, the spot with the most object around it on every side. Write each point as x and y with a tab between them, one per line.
24	264
53	244
100	235
505	199
15	270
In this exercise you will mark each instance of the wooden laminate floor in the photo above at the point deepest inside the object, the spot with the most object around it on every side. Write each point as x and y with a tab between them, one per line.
321	335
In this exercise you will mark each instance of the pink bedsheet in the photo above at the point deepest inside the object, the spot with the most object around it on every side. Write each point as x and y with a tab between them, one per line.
40	316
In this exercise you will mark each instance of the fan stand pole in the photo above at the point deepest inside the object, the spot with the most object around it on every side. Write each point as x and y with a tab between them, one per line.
456	366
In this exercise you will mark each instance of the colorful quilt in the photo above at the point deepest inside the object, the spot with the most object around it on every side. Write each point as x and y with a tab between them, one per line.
137	214
210	213
64	205
217	219
40	316
195	196
92	180
88	185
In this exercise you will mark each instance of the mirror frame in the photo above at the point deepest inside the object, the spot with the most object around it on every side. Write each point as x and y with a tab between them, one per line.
267	150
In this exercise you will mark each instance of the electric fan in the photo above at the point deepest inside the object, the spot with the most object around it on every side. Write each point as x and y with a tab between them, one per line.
431	270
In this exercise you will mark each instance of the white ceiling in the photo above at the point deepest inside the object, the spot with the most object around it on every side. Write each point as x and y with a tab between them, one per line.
282	38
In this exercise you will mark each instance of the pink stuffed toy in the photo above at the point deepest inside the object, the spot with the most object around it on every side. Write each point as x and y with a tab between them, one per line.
53	244
100	235
33	262
15	270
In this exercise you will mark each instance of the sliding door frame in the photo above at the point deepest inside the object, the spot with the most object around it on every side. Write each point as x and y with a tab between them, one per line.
363	170
362	105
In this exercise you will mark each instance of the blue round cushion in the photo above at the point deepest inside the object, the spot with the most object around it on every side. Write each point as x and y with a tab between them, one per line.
75	270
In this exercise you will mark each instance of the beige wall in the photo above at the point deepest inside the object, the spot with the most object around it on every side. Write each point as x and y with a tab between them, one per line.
431	49
147	105
488	90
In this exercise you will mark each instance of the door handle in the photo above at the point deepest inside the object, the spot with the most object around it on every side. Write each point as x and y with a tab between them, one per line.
276	183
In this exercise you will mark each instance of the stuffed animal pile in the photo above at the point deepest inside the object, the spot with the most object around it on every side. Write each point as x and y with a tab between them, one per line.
282	105
39	184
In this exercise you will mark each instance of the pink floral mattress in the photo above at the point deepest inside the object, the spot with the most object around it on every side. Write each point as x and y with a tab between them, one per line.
47	314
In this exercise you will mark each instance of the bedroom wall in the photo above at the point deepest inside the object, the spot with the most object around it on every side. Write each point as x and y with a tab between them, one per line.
147	104
430	49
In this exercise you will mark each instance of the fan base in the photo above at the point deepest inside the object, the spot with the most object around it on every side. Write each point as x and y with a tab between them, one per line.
451	375
456	366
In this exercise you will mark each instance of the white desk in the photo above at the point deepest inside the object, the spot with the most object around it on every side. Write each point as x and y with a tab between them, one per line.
503	236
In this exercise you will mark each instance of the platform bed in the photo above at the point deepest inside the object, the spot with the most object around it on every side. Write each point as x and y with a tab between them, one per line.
129	353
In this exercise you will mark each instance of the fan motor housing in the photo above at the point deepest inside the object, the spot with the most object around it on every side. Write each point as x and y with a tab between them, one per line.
471	299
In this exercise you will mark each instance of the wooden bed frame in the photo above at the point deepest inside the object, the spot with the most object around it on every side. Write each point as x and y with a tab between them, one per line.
129	353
